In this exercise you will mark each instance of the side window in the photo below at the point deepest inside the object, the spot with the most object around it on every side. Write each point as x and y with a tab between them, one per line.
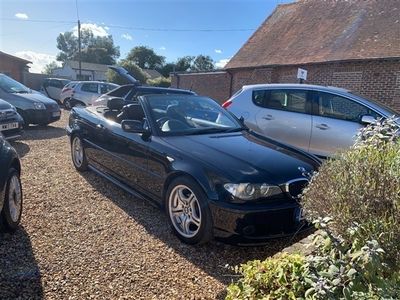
103	88
89	87
56	83
288	100
337	107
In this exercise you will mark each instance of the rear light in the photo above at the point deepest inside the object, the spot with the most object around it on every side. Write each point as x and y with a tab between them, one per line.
65	90
227	103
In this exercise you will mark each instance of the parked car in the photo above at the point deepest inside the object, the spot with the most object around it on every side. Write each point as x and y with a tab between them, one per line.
85	92
52	87
11	123
189	155
10	187
66	92
33	107
320	120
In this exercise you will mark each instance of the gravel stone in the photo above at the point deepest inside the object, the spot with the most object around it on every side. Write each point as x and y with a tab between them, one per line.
81	237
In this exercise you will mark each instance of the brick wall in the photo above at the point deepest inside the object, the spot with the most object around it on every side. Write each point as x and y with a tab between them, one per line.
376	79
12	68
214	84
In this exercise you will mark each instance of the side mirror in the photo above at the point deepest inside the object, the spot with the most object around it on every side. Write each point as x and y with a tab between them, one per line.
133	126
367	119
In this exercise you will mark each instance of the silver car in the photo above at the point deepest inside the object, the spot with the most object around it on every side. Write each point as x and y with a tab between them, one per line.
84	93
320	120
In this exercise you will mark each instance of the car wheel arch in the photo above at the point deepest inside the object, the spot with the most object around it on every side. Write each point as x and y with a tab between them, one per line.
206	188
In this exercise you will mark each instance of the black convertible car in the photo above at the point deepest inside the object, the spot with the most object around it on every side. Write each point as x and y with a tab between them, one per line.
191	157
10	187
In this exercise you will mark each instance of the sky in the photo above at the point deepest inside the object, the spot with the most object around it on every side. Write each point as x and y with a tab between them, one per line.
173	28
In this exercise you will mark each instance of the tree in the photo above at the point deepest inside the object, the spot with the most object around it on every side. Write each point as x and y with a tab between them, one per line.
145	58
166	69
95	49
48	69
184	63
132	68
203	63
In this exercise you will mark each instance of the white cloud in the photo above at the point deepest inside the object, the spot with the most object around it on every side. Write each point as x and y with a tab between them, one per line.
222	62
127	36
219	51
96	29
163	48
21	16
39	60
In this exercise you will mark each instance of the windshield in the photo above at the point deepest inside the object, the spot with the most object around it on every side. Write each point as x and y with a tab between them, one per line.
10	85
188	115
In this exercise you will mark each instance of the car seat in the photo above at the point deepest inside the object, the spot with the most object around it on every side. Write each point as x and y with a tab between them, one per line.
131	112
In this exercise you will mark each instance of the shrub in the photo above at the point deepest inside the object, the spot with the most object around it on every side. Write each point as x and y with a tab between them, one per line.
160	81
336	270
362	187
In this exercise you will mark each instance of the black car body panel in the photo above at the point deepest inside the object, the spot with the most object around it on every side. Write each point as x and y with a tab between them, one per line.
8	158
148	163
26	101
11	123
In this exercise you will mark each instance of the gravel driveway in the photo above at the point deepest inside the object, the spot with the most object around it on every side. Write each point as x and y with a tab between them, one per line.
81	237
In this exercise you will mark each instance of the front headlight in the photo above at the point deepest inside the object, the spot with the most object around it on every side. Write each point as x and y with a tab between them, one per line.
39	105
249	191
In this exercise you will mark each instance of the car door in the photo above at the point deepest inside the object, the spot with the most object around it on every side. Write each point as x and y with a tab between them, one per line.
335	122
54	88
284	115
89	91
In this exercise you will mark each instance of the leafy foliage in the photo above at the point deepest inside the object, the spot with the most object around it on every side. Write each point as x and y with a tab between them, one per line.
336	270
133	69
202	63
48	69
160	81
95	49
145	58
362	187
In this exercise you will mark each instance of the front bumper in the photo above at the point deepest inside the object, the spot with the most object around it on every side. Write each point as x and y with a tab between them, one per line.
45	116
256	224
12	133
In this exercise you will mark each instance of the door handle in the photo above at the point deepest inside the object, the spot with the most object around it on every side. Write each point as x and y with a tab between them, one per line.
100	127
322	126
268	117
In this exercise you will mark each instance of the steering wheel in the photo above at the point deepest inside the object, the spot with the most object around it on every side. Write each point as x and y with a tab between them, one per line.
161	121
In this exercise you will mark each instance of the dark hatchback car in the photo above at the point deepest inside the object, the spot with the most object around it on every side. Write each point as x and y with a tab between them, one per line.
10	187
33	107
11	123
190	156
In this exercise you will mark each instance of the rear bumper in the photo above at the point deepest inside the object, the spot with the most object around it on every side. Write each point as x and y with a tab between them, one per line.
245	224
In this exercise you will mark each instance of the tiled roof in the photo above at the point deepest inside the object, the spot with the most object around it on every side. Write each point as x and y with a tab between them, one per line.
25	61
309	31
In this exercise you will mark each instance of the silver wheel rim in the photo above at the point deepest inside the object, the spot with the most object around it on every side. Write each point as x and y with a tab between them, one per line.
184	211
77	152
67	104
15	198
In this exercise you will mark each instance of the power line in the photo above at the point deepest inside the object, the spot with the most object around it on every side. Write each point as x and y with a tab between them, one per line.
140	28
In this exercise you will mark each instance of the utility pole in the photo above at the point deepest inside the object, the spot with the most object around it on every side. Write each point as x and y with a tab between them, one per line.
79	47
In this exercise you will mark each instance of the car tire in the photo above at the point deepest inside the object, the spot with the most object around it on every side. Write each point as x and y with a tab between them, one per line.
67	103
78	154
11	213
188	212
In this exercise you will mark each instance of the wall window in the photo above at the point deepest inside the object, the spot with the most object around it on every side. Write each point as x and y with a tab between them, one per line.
334	106
289	100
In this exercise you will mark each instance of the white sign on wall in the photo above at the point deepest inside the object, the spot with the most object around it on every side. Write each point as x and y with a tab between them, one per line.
301	74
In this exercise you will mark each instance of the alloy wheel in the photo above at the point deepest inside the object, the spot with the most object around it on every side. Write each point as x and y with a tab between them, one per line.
184	211
77	152
15	198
